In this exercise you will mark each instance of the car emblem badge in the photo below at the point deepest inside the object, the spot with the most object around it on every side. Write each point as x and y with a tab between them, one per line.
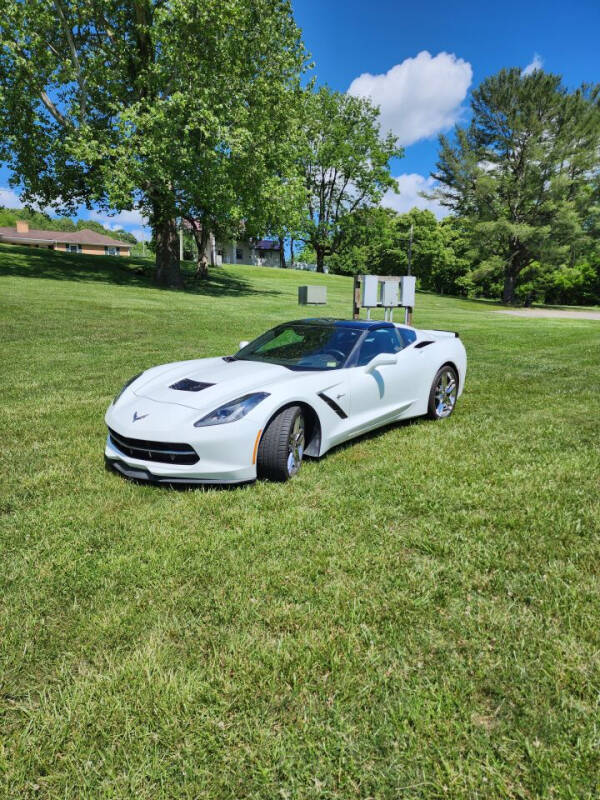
137	416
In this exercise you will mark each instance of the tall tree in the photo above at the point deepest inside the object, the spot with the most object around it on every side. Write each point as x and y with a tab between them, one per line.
345	166
522	171
176	107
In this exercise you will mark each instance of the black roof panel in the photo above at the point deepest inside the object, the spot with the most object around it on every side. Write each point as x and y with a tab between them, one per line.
363	324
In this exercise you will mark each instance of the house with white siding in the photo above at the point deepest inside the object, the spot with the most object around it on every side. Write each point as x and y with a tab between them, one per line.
259	252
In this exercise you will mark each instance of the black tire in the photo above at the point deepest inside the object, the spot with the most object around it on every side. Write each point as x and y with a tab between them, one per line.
282	446
443	393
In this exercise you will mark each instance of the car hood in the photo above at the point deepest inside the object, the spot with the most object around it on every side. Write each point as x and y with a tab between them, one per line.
228	380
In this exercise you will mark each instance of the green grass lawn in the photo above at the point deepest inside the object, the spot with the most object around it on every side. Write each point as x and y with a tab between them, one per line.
415	616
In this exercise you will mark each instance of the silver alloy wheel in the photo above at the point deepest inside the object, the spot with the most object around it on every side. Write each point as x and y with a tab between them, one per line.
445	393
295	446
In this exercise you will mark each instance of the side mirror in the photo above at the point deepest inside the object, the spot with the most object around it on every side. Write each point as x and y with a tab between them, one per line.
243	344
381	360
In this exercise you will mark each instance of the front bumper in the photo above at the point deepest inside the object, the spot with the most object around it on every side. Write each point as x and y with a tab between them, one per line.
225	457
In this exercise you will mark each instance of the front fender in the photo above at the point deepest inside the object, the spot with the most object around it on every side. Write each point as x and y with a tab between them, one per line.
316	419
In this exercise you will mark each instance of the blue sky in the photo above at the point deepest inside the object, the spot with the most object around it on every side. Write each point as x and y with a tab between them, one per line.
422	96
419	61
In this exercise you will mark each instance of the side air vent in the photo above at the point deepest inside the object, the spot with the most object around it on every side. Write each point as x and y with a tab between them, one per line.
333	405
419	345
188	385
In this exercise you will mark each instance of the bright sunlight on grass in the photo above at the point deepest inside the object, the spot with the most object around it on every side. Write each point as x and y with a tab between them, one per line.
414	616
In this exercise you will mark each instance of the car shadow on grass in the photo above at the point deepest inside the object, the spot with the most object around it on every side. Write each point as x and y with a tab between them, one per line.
29	262
377	433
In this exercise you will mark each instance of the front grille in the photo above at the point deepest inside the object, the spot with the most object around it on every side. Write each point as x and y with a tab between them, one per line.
165	452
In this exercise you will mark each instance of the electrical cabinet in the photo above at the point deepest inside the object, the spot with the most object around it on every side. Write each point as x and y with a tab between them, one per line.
407	291
388	297
370	291
312	295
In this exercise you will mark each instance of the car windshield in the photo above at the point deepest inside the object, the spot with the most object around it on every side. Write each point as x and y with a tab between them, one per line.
298	345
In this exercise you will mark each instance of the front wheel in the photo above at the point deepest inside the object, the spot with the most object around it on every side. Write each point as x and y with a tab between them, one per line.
282	446
443	393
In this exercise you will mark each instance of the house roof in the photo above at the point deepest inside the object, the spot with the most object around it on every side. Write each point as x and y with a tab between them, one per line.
267	244
85	236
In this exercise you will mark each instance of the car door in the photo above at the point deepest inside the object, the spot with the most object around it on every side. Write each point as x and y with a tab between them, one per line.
384	393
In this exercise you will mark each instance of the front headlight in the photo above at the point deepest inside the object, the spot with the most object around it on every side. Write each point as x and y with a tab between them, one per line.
129	382
230	412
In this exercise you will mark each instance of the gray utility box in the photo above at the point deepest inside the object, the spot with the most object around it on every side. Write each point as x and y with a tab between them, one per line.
312	295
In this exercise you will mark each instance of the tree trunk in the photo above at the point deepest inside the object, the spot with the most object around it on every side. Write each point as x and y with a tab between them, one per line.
282	252
201	238
292	254
167	272
320	260
510	282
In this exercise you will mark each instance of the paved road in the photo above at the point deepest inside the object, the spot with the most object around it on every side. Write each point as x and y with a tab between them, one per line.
549	312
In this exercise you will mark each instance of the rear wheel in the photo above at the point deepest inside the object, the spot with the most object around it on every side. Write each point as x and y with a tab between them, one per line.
281	448
443	393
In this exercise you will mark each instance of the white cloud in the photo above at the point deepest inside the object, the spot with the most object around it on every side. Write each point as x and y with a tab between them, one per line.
537	63
410	186
120	220
141	234
10	199
420	96
132	221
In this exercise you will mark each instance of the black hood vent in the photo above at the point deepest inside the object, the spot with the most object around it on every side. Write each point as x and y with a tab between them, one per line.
188	385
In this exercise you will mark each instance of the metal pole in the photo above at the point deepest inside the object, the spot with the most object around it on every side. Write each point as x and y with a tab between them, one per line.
407	310
180	243
356	297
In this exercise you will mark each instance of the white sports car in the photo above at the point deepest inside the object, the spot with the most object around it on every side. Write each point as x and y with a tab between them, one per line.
299	389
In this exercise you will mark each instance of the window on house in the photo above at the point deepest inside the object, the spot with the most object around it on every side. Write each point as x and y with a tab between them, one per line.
73	248
109	250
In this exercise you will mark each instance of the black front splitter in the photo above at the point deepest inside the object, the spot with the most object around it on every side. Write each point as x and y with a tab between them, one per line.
142	475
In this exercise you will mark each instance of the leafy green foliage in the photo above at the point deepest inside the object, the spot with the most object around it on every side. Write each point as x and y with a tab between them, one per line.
377	241
36	219
524	174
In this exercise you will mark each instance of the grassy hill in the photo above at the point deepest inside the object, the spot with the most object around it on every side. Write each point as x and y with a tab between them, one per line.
415	616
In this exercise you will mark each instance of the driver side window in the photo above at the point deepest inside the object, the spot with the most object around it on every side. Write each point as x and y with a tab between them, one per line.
384	340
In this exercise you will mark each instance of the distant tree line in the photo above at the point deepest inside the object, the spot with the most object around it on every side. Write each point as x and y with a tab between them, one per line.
446	259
